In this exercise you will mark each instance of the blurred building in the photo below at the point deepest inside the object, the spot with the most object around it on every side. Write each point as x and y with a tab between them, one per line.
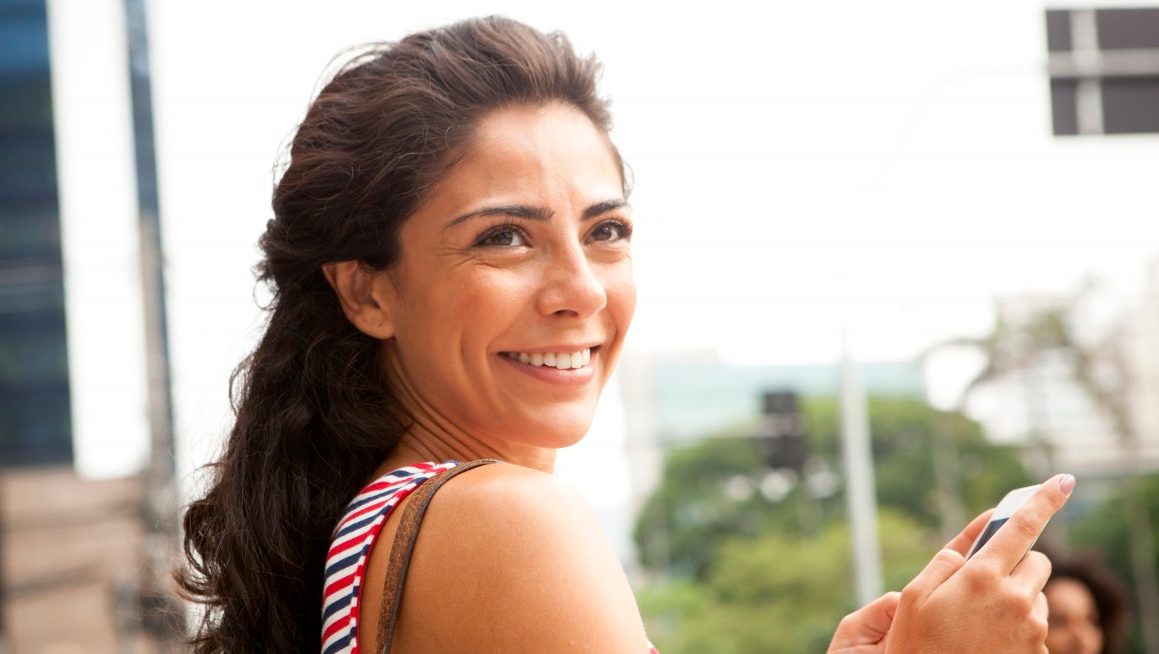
34	390
73	408
1048	406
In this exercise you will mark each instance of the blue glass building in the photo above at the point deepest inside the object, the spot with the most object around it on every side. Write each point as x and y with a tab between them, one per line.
34	388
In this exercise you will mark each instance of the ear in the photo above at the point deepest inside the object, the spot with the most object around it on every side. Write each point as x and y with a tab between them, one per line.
364	294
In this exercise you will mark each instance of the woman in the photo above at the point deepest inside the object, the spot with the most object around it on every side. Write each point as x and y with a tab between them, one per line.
452	281
1088	608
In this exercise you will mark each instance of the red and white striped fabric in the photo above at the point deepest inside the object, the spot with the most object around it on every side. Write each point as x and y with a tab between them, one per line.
350	547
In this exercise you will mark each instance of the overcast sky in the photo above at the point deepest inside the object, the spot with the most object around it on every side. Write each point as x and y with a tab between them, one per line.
786	154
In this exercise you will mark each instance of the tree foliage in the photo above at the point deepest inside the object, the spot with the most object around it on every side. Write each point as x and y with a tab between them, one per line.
775	592
697	508
751	572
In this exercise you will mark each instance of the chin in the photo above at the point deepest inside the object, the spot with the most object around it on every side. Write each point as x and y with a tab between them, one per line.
559	432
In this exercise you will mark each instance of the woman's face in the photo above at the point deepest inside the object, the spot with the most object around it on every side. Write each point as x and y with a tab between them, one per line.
514	289
1074	619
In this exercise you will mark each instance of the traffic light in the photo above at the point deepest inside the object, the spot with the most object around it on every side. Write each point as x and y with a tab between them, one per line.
782	433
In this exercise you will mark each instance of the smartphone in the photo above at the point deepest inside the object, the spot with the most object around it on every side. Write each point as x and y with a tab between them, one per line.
1002	513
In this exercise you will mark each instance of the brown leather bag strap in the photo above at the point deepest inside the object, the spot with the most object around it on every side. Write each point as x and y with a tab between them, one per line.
404	545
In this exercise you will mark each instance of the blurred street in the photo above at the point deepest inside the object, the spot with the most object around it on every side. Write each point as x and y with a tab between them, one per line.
70	556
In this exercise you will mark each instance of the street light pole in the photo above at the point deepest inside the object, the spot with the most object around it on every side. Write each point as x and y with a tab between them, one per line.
162	617
860	493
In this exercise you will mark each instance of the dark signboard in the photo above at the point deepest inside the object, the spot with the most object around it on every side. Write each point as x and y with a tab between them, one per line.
1104	70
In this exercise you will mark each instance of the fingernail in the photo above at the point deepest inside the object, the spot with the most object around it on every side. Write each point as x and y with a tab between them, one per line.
1066	484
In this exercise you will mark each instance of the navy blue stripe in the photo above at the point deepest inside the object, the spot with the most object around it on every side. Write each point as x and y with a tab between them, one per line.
385	495
339	644
360	523
337	606
355	505
342	563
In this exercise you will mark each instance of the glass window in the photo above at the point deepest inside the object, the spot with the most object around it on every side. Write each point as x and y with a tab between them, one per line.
34	395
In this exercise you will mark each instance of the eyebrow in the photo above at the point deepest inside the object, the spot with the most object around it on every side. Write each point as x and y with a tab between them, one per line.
538	213
604	207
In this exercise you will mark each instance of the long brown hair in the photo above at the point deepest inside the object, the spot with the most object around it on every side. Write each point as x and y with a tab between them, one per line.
315	415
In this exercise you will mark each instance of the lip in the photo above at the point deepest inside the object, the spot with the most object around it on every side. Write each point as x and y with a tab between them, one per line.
558	348
569	377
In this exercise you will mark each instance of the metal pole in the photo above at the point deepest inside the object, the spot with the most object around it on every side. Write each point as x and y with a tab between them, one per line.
161	616
860	494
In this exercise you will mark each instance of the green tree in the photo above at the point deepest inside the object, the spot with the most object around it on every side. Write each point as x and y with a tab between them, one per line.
776	592
701	502
903	431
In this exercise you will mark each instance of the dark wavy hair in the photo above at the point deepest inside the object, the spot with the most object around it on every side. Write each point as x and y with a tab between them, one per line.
315	414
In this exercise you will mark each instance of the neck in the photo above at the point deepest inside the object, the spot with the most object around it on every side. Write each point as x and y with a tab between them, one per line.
425	442
433	436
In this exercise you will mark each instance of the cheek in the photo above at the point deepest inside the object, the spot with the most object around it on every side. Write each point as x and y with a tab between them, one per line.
495	296
621	290
469	313
433	307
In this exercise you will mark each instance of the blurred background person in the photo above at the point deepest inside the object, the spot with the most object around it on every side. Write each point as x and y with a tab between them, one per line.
1088	608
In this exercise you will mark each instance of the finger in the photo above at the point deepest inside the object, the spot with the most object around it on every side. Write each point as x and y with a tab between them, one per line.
1041	610
962	542
1032	573
867	625
1040	615
1015	538
877	616
943	566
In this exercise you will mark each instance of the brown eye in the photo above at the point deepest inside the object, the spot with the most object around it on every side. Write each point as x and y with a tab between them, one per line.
504	236
611	230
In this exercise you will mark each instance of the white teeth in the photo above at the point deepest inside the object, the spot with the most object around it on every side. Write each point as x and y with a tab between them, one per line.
558	360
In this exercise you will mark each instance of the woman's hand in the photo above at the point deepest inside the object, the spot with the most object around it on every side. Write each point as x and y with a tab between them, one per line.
864	630
994	603
991	603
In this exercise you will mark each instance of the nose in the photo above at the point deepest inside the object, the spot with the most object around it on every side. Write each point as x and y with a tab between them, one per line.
572	285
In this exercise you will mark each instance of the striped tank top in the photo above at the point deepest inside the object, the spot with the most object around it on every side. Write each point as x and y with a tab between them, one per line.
350	548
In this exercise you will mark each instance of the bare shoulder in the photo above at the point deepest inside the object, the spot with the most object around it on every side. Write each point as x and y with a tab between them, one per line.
503	495
511	559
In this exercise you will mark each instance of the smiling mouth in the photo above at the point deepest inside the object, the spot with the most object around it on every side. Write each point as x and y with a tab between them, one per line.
559	360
